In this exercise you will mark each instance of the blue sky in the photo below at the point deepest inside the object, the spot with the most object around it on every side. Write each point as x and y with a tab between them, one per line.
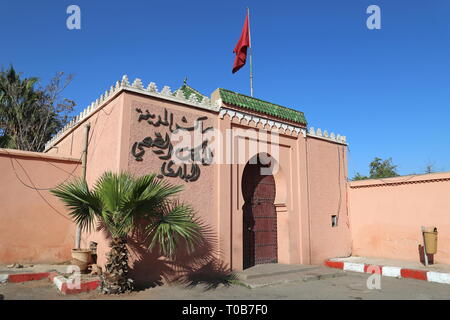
387	90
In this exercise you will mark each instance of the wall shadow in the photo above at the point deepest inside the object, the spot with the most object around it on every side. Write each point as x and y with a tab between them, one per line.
198	267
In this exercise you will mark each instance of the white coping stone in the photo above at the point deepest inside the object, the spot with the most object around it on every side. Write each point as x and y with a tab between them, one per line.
4	277
59	281
356	267
438	277
391	271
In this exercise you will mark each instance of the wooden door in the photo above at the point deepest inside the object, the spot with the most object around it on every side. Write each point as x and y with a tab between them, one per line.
260	220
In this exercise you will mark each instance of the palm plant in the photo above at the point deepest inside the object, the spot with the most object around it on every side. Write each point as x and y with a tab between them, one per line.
124	205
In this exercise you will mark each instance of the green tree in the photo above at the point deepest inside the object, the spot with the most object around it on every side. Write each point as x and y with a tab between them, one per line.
359	176
379	168
125	205
30	115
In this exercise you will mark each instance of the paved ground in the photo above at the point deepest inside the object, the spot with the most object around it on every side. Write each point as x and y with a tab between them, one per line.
349	287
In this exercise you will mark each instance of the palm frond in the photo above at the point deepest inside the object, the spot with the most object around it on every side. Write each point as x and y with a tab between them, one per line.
146	199
83	205
174	223
112	189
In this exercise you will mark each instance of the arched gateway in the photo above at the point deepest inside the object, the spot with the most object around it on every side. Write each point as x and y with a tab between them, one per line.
259	214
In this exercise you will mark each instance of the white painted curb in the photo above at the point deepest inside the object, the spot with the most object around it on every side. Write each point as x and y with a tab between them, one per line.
438	277
356	267
391	271
59	281
4	278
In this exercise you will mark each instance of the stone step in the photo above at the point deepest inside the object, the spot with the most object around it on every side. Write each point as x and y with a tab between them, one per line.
273	269
305	275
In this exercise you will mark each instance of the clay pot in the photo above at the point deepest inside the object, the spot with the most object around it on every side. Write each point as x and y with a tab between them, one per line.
80	264
83	255
81	258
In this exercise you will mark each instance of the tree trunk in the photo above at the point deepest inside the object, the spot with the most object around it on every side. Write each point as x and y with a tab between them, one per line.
115	279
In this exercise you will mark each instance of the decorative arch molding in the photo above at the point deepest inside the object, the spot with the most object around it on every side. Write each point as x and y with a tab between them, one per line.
272	124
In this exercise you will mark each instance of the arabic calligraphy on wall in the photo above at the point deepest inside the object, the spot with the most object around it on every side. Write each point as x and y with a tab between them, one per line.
179	161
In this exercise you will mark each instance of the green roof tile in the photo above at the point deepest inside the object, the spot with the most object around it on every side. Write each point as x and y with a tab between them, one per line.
262	106
249	103
187	91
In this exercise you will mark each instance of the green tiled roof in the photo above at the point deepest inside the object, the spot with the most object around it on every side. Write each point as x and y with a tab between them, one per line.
187	91
262	106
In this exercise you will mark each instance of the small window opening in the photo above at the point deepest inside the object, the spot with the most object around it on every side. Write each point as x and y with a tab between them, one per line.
334	221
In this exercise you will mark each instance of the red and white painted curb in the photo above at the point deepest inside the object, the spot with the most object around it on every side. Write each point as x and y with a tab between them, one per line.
69	286
389	271
64	285
22	277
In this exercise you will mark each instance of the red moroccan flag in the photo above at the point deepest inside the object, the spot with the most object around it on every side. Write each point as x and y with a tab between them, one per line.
241	47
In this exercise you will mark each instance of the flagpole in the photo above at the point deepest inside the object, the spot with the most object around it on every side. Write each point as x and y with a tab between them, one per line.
250	53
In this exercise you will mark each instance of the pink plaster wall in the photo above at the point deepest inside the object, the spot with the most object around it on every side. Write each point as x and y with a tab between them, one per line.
104	153
34	226
387	215
147	266
198	193
327	180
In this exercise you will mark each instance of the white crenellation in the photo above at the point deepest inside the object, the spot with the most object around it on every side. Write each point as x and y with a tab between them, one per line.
179	94
317	133
137	86
152	87
125	82
166	91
